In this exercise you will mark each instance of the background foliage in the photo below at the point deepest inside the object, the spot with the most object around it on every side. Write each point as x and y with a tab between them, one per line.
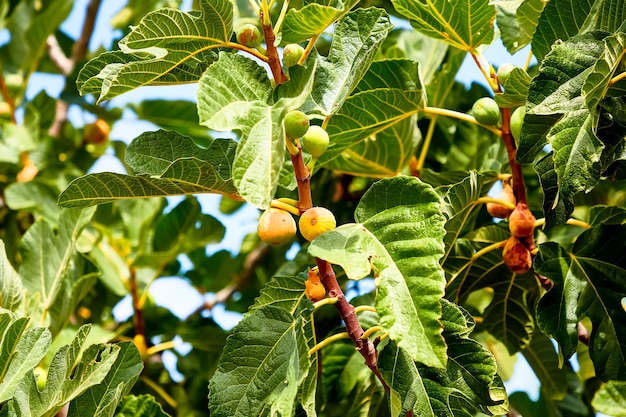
407	173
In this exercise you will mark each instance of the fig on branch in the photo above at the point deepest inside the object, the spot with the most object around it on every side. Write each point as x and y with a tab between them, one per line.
517	120
504	71
276	227
521	221
314	290
516	256
97	132
249	35
296	124
498	210
316	221
316	141
486	111
292	54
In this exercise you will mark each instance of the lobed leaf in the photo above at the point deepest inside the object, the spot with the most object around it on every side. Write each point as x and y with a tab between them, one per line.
515	89
400	239
168	46
587	282
303	23
464	24
264	361
517	21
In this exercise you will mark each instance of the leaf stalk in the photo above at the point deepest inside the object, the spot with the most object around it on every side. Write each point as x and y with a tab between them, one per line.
328	341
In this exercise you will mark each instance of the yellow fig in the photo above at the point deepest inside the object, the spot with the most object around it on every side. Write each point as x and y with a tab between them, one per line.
316	221
276	227
314	290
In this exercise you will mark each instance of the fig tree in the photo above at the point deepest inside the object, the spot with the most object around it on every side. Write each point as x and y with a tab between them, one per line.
316	141
276	227
249	35
292	54
316	221
296	124
517	120
486	111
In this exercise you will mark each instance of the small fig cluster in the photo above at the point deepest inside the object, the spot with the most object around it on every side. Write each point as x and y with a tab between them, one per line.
276	227
314	290
486	111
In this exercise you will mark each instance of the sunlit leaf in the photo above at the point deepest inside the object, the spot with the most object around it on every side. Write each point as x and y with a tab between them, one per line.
168	46
441	19
140	406
515	89
10	283
399	237
610	399
517	21
587	282
264	360
312	19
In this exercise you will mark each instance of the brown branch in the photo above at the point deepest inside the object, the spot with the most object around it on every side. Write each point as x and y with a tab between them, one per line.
272	53
303	178
82	45
138	319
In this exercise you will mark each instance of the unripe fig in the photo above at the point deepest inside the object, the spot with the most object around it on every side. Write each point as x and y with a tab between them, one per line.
521	221
276	227
41	376
249	35
314	290
316	221
500	211
517	120
292	54
316	141
296	124
486	111
504	71
516	256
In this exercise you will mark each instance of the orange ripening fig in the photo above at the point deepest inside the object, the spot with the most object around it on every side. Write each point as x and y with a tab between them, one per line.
521	221
516	256
314	290
276	227
498	210
316	221
97	132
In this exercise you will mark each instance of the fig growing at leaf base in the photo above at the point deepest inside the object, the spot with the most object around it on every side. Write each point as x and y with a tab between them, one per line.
296	124
316	141
504	71
249	35
517	120
276	227
516	256
316	221
486	111
292	54
314	290
498	210
521	221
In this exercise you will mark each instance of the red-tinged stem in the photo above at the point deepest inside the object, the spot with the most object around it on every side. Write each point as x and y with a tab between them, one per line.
303	178
272	53
138	319
519	189
6	96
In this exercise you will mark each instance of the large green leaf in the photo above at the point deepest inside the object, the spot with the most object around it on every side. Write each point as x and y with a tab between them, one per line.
563	112
469	383
610	399
49	256
168	46
400	237
71	374
264	361
587	283
235	93
509	314
10	283
374	133
356	40
517	21
21	350
102	399
464	24
543	359
312	19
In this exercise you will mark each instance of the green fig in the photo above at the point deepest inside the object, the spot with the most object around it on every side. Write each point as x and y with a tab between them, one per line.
517	120
292	54
296	124
316	141
504	71
486	111
249	35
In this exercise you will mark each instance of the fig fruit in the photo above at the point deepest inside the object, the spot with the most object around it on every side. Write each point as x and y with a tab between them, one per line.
504	71
498	210
292	54
516	257
486	111
97	132
316	221
276	227
521	221
517	120
314	290
316	141
249	35
296	124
